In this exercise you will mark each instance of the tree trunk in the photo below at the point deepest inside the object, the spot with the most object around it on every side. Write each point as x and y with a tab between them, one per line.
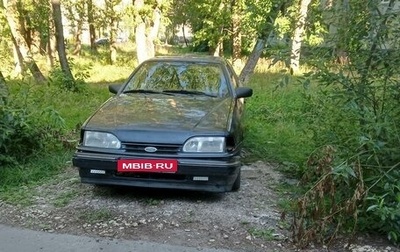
92	30
145	44
78	41
218	51
113	43
18	58
60	38
21	46
298	36
236	33
112	19
252	60
184	35
3	89
251	63
151	51
140	34
51	46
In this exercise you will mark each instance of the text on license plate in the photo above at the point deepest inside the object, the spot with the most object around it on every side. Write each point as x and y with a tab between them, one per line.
147	165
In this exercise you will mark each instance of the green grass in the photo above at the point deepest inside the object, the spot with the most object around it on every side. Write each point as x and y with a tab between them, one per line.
17	181
275	130
96	215
265	234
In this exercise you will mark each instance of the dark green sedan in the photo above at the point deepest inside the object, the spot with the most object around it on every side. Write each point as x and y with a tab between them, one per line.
175	123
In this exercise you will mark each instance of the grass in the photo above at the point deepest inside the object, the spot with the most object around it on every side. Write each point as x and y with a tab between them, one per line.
274	127
265	234
96	215
17	181
64	198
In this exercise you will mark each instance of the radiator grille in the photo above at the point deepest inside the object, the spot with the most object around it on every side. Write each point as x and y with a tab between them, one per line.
161	148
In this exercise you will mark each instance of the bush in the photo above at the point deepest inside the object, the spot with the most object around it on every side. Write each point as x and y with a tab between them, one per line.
58	78
26	128
356	113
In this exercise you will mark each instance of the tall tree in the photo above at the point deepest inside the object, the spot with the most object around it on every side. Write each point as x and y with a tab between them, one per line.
297	38
76	14
236	32
112	17
3	89
57	17
140	32
92	30
263	36
20	44
210	21
147	18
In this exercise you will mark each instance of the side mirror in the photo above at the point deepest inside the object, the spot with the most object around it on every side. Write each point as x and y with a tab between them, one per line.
242	92
114	88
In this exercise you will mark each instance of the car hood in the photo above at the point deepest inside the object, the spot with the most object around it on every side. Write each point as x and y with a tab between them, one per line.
162	112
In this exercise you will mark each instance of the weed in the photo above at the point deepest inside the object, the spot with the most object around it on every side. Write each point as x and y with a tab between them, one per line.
152	202
23	196
265	234
64	198
96	215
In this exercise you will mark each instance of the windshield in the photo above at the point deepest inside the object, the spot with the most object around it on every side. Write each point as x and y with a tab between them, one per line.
180	77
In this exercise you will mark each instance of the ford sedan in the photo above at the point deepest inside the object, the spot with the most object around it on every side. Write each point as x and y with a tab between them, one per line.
176	123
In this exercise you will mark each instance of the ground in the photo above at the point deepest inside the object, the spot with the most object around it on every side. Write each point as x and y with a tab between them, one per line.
247	220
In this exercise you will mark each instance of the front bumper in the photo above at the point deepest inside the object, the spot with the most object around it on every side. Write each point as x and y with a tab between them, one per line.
221	173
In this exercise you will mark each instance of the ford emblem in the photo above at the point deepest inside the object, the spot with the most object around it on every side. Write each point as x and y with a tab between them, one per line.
150	149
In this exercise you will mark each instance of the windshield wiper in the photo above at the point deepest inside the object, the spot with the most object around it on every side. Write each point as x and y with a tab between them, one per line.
145	91
193	92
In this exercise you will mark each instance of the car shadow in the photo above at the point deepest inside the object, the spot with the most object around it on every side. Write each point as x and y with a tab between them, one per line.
145	194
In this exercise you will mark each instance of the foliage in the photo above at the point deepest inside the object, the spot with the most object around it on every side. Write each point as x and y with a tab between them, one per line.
42	142
26	128
18	180
357	113
62	80
275	129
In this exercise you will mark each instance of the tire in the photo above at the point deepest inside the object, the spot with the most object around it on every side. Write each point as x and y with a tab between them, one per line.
236	184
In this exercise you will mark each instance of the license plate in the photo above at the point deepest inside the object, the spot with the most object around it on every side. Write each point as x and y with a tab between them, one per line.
147	165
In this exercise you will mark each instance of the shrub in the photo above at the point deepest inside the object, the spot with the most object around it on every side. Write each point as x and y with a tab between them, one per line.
26	128
357	113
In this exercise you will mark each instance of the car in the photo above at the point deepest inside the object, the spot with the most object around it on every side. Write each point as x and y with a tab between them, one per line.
102	42
176	123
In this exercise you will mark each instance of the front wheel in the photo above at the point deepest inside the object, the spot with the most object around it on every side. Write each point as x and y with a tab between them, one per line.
236	184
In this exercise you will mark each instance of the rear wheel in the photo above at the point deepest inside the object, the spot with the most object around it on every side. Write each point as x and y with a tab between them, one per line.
236	184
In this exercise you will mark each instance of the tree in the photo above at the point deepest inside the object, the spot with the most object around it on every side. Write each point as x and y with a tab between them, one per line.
76	14
237	11
92	30
262	39
298	35
147	18
20	44
140	33
354	113
112	17
3	89
60	39
210	21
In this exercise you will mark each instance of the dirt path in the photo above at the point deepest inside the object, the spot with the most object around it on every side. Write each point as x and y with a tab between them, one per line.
248	220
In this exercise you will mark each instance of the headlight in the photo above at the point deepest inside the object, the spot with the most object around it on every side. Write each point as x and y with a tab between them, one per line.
101	140
205	144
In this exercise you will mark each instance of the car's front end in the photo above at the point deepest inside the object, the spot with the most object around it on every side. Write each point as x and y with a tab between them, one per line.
159	165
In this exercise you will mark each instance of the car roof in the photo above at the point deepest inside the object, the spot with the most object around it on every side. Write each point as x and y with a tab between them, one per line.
189	58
